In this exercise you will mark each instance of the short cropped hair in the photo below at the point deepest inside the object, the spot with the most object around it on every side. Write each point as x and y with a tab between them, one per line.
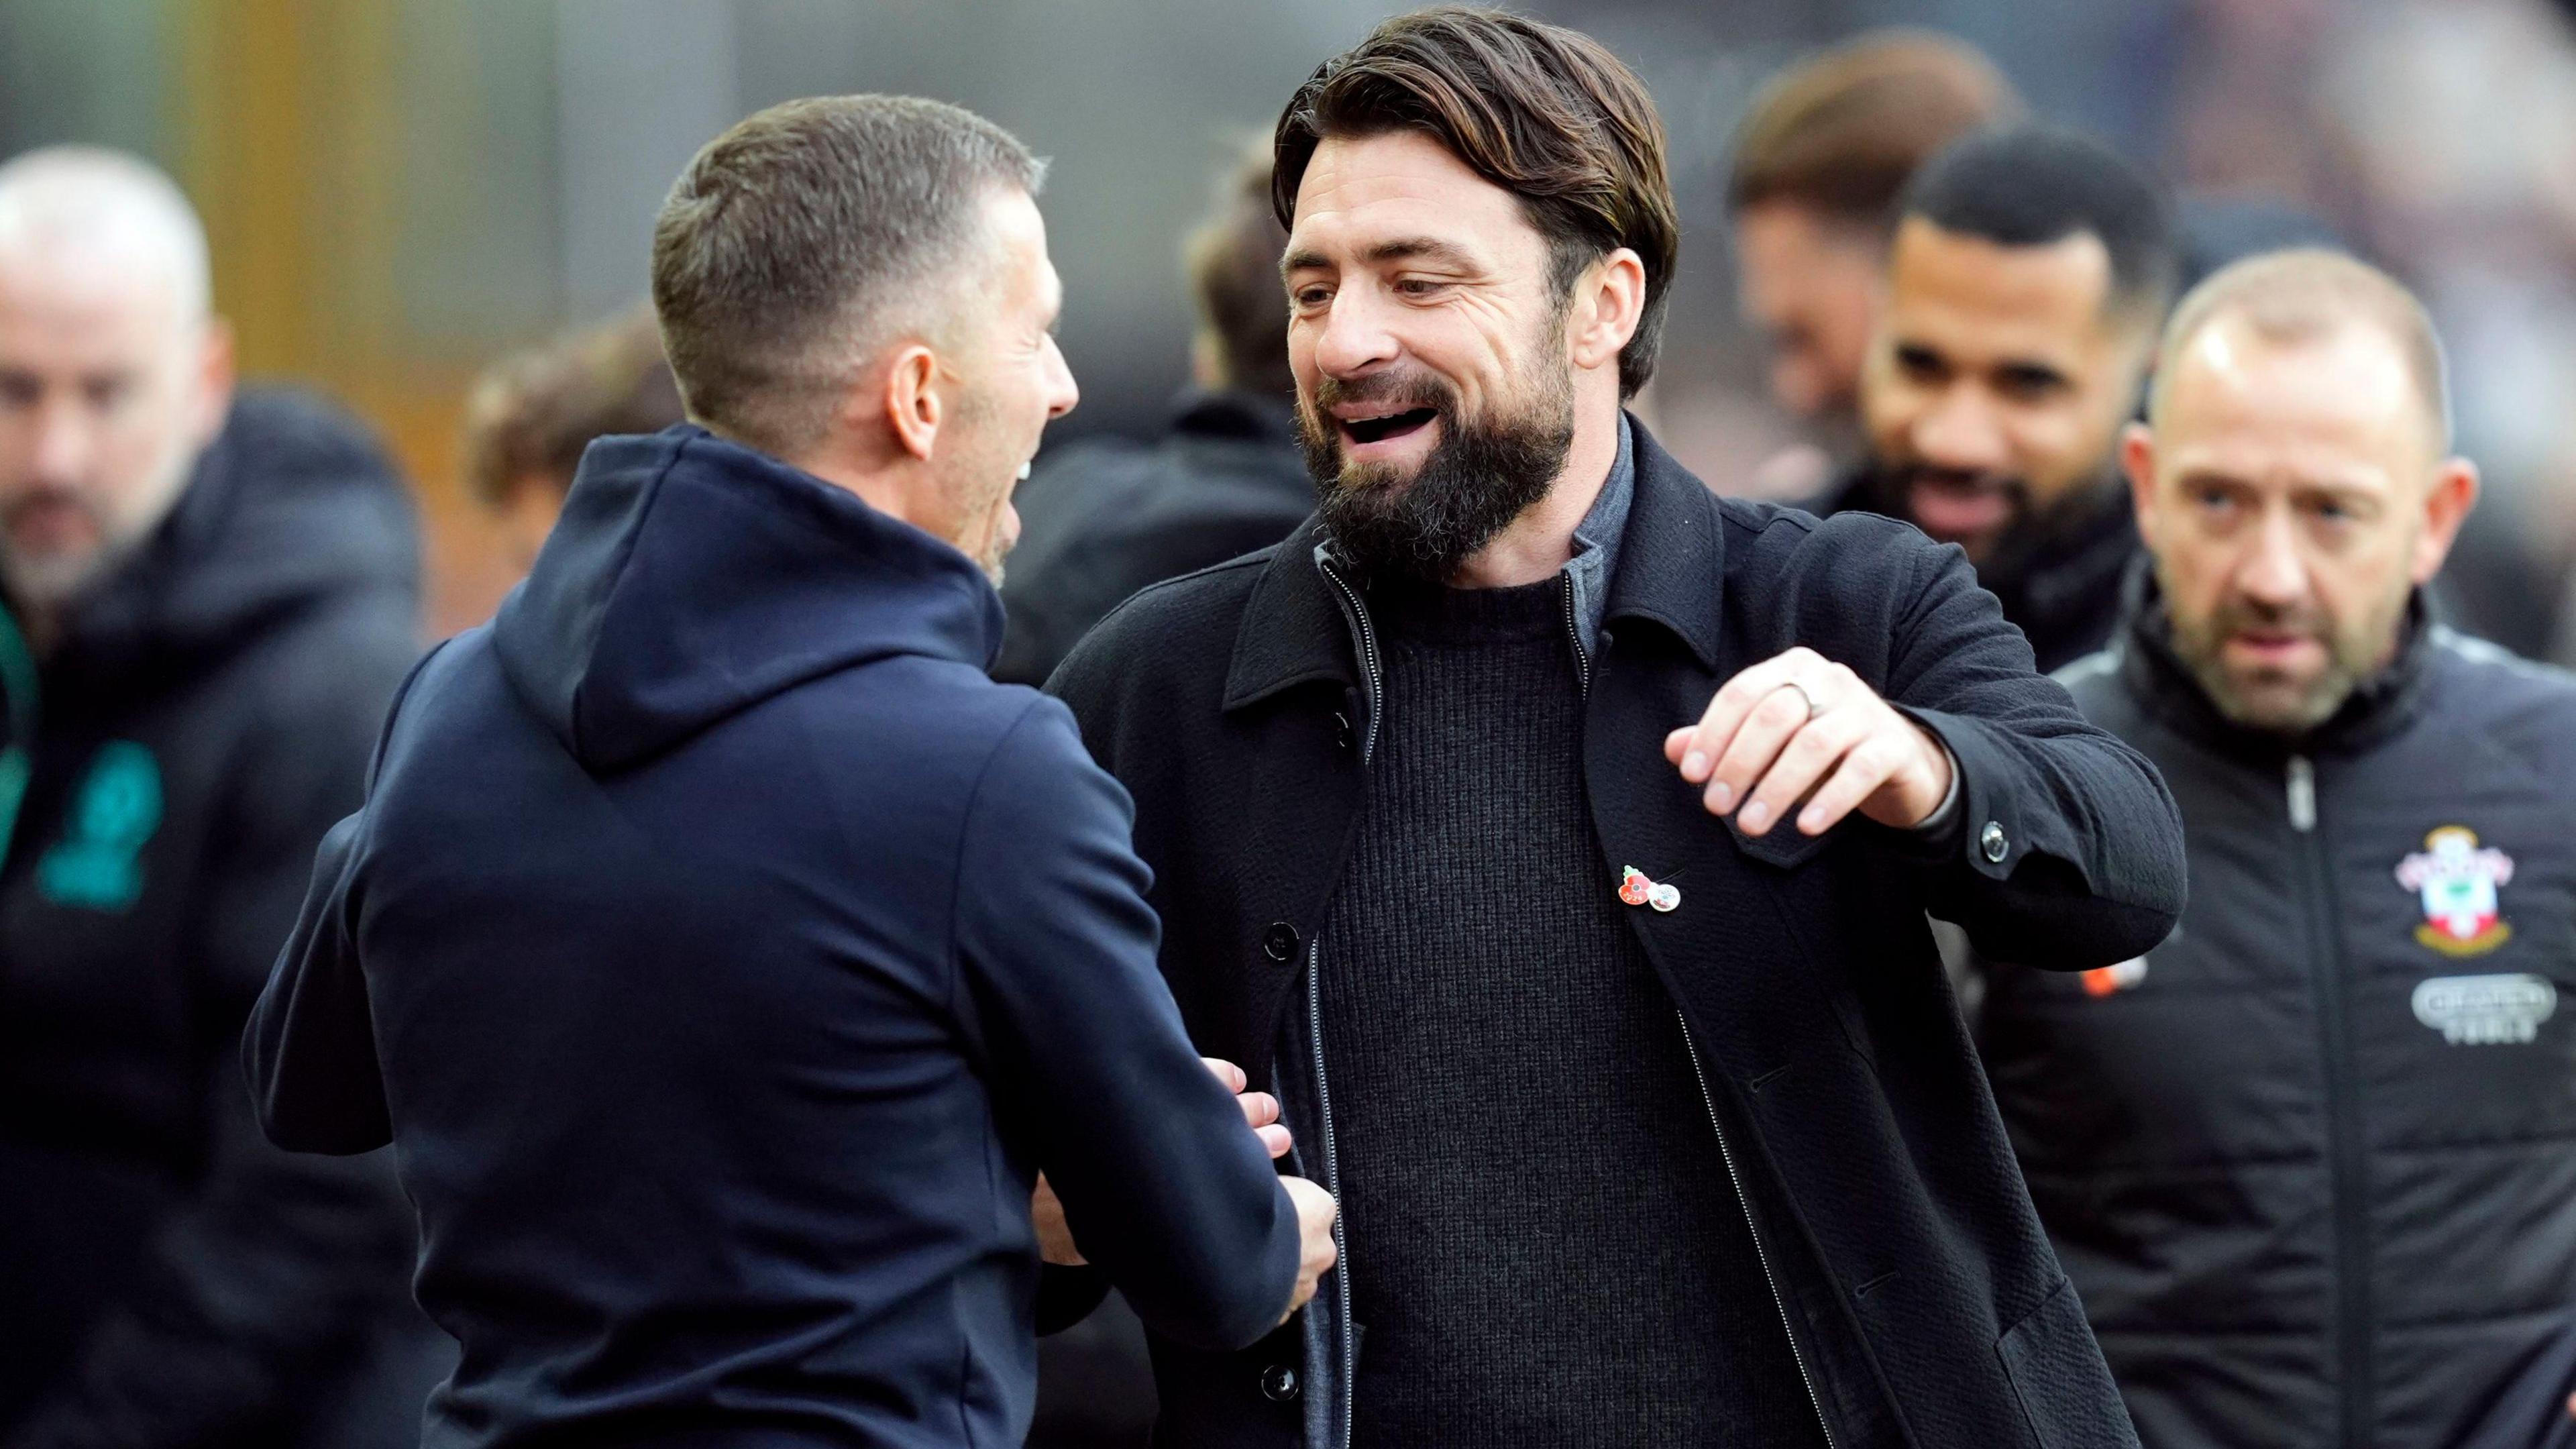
94	199
2031	185
796	242
1841	133
1545	113
2307	295
1233	264
533	414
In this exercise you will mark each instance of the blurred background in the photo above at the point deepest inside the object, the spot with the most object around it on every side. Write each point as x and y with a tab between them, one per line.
398	191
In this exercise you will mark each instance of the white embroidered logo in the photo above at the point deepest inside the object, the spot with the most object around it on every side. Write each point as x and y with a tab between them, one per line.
2486	1010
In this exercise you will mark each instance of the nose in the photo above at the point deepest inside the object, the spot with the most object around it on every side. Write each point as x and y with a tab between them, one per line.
1063	393
65	440
1355	336
2273	573
1960	431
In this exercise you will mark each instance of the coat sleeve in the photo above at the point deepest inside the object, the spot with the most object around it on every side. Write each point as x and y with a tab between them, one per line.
2068	852
1164	1186
275	1264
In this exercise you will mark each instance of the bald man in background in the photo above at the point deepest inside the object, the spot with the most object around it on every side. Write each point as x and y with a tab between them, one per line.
210	598
2308	1162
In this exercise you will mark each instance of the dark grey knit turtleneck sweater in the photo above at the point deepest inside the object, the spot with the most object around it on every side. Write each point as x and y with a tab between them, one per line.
1544	1247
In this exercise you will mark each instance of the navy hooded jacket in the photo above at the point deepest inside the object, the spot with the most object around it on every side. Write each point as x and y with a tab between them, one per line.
725	955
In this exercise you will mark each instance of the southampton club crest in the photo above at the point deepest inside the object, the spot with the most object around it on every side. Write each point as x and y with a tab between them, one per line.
2458	880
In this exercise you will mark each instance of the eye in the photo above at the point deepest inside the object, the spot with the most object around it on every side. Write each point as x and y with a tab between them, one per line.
1310	296
1921	364
2028	384
1416	287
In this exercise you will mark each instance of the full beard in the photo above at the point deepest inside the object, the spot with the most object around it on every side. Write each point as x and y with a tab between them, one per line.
1481	475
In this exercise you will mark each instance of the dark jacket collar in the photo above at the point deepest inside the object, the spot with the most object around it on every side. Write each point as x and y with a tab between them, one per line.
1671	567
2166	688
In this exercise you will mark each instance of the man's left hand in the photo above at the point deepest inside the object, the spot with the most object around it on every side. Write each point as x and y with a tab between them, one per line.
1800	727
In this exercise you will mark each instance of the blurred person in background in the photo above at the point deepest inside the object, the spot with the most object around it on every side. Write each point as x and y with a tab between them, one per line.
1818	163
210	599
1691	1152
1102	518
726	953
2030	269
2307	1161
529	418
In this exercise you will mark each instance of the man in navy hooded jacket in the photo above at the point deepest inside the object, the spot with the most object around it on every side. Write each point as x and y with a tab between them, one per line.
724	955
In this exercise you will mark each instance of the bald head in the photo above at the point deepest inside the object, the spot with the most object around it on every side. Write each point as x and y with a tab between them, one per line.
2305	298
113	375
105	212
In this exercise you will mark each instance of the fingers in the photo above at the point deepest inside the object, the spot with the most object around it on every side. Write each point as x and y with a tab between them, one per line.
1775	720
1260	1109
1869	765
1699	752
1228	1073
1315	1213
1807	761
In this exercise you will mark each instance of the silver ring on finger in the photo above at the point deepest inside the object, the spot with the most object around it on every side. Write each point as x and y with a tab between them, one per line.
1814	707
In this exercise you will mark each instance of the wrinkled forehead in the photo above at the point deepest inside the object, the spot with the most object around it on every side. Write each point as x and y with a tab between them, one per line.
1361	197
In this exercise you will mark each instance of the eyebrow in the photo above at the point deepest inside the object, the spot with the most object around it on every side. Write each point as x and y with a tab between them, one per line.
1399	249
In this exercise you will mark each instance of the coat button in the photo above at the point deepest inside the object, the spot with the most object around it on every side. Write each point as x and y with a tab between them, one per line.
1992	842
1279	941
1279	1383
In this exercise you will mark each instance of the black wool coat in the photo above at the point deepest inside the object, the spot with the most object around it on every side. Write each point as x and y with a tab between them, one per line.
1900	1247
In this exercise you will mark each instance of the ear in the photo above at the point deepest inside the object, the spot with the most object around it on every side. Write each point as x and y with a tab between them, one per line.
214	380
1609	301
2446	507
914	407
2138	461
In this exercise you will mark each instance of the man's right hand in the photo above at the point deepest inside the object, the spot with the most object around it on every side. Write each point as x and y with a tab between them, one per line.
1315	1210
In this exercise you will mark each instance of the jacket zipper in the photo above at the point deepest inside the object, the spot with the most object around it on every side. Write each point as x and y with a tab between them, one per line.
1332	1184
1761	1255
1367	635
1574	633
2348	1168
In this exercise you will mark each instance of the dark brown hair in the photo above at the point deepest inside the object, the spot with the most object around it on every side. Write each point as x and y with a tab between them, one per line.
1841	133
1233	262
797	238
533	414
1543	112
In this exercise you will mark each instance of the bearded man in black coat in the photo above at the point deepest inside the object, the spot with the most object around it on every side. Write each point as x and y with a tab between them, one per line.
1554	839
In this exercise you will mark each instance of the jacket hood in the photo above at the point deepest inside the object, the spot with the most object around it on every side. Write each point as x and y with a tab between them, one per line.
691	578
293	504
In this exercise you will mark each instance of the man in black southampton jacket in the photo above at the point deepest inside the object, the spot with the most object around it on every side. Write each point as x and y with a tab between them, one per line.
1650	1125
2308	1161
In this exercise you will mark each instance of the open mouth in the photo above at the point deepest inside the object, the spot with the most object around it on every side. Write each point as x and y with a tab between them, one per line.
1389	425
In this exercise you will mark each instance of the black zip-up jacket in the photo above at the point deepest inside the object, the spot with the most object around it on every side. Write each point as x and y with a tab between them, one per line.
1237	705
2312	1161
166	1277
